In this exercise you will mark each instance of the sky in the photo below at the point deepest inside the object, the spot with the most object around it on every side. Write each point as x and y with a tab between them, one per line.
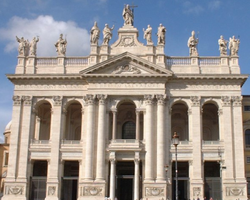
74	19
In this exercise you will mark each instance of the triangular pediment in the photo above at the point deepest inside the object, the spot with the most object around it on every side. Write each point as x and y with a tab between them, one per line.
126	64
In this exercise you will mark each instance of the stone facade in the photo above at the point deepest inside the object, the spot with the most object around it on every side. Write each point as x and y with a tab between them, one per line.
92	127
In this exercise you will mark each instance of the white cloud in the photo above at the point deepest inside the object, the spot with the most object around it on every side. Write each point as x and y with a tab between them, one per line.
214	5
189	8
48	31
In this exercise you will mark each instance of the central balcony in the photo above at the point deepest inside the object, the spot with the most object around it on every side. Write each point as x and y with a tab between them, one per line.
125	145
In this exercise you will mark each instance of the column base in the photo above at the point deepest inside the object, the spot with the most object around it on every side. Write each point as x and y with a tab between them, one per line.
232	191
154	191
15	190
94	191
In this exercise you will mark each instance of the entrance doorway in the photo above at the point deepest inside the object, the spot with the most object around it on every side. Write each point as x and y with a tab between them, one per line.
183	180
70	180
125	180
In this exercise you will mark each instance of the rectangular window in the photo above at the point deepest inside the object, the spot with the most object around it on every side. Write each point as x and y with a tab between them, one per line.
247	108
6	158
248	160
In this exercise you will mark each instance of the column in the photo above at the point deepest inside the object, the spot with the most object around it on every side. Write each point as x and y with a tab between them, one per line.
55	135
112	175
227	125
14	139
137	135
161	140
100	166
114	125
24	139
149	138
89	138
196	124
137	177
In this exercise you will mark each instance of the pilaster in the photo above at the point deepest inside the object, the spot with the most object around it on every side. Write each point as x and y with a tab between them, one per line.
21	62
30	67
60	68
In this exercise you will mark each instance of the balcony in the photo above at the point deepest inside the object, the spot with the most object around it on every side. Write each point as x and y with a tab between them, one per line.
125	145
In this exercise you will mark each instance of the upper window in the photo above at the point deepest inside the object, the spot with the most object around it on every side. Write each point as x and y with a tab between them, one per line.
247	138
128	130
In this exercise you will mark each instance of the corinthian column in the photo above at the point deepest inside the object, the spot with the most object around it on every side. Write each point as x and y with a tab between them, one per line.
160	138
114	125
89	99
101	137
137	176
149	138
137	137
112	175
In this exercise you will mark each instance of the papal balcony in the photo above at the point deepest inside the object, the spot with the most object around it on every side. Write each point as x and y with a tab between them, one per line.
125	145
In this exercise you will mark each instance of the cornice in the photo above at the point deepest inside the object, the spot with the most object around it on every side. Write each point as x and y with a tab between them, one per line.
13	77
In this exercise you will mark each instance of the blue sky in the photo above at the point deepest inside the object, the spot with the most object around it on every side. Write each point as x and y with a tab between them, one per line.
74	18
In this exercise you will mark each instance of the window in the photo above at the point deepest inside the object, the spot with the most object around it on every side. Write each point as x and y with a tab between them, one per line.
6	158
247	108
128	130
247	138
248	160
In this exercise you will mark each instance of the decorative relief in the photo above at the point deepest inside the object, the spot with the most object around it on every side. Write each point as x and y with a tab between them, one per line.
16	100
127	41
196	191
195	100
126	69
14	190
127	85
91	191
226	100
51	190
220	112
57	100
233	191
42	86
148	98
236	100
27	100
154	191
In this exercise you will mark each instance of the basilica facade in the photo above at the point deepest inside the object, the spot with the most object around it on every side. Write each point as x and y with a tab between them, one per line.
101	126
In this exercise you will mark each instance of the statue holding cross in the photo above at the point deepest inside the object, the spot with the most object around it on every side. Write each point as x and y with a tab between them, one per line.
128	15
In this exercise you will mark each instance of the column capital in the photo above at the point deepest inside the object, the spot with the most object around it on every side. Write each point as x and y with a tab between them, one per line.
226	101
89	99
16	100
195	100
161	99
27	100
102	98
237	100
148	98
57	100
112	157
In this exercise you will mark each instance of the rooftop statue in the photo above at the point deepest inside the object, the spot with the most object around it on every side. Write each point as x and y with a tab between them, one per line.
61	45
107	34
222	45
33	46
161	34
95	33
128	16
234	46
148	35
23	48
192	44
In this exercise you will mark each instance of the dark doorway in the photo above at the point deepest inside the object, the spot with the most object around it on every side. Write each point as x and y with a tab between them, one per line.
212	180
38	181
70	180
183	180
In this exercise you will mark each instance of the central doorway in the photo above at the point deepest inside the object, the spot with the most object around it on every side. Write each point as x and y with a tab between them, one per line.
125	180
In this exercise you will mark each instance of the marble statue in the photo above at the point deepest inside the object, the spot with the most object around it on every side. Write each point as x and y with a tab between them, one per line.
161	34
95	33
222	45
33	46
128	16
234	46
192	44
23	48
148	35
61	45
107	34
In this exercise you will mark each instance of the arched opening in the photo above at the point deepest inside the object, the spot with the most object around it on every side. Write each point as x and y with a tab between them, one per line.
43	121
73	122
179	121
210	122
